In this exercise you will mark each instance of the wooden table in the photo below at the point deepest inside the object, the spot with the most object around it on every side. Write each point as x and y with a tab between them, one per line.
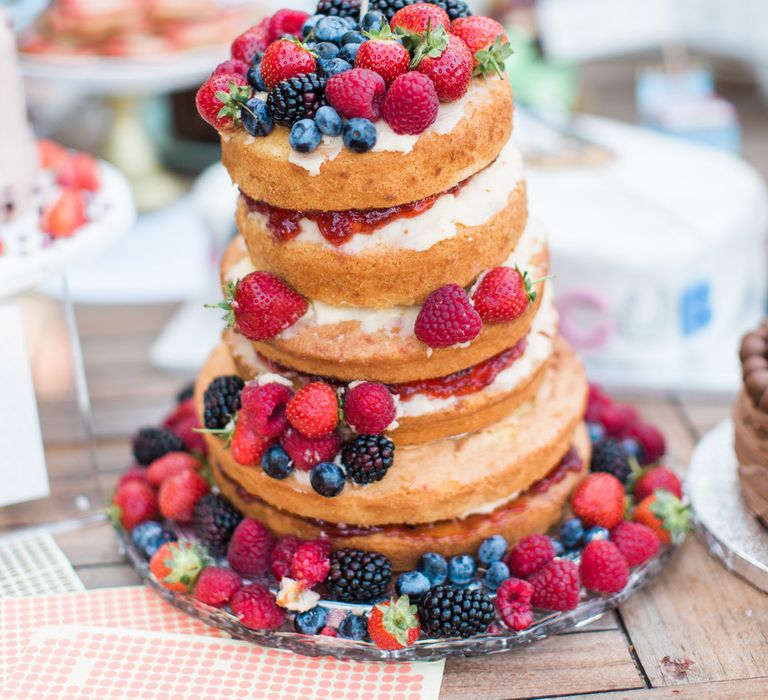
695	632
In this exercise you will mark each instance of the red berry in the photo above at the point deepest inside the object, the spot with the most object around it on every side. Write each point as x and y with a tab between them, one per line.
307	452
617	419
394	624
657	478
486	41
503	294
52	155
556	586
176	565
650	439
180	413
369	408
451	71
179	494
637	542
328	631
264	408
665	514
80	171
284	59
417	18
137	503
411	103
356	93
216	585
282	555
529	555
211	104
314	410
67	214
447	318
250	548
513	601
599	500
255	607
253	40
387	57
248	445
233	65
134	473
187	429
596	402
603	567
311	564
170	464
286	22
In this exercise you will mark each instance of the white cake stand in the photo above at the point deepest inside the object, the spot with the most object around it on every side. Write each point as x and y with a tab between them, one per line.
723	523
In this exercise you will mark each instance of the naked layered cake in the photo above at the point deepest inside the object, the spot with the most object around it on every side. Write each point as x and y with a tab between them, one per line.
390	374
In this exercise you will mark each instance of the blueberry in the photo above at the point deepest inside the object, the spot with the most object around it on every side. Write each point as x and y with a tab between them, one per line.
350	22
571	532
359	135
634	449
557	545
414	584
328	121
257	119
596	432
461	569
352	38
310	621
257	56
255	80
309	24
434	567
327	478
331	29
373	21
492	549
150	536
276	462
353	627
571	554
332	66
326	50
348	53
595	533
305	136
497	572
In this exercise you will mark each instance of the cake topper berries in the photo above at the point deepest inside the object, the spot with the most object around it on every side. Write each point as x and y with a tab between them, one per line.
447	318
504	294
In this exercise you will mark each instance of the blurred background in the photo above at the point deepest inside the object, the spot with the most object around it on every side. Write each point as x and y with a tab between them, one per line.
644	124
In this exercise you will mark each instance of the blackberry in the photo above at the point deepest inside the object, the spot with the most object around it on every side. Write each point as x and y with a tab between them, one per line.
454	8
186	393
447	611
358	577
339	8
215	520
150	444
221	401
296	98
610	456
367	458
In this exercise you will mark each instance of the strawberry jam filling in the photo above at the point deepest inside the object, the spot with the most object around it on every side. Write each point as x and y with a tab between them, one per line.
338	227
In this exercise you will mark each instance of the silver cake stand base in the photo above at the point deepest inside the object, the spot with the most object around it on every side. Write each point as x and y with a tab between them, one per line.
723	522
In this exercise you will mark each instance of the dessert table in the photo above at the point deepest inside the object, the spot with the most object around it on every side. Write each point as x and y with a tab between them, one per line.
695	631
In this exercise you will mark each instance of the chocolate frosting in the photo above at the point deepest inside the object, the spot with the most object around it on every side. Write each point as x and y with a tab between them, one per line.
754	365
750	424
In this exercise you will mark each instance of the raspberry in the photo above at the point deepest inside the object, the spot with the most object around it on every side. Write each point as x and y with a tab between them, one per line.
654	479
617	419
610	456
233	65
603	567
286	22
529	555
221	401
250	42
256	608
637	542
250	548
447	318
369	408
650	439
264	408
513	601
169	465
356	93
556	586
180	493
311	564
314	410
307	452
150	444
216	586
367	458
411	103
282	555
598	400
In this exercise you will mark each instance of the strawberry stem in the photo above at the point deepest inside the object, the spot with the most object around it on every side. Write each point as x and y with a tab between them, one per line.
491	59
228	304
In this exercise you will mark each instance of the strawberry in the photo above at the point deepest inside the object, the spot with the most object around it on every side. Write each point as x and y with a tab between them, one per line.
52	155
179	494
411	103
252	41
369	408
169	465
383	55
665	514
134	473
394	624
657	478
176	565
599	500
179	414
286	22
80	171
418	18
264	407
447	62
504	294
284	59
220	98
248	445
306	452
314	410
134	502
555	586
188	429
447	318
216	585
486	41
603	567
261	305
356	93
65	215
637	542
